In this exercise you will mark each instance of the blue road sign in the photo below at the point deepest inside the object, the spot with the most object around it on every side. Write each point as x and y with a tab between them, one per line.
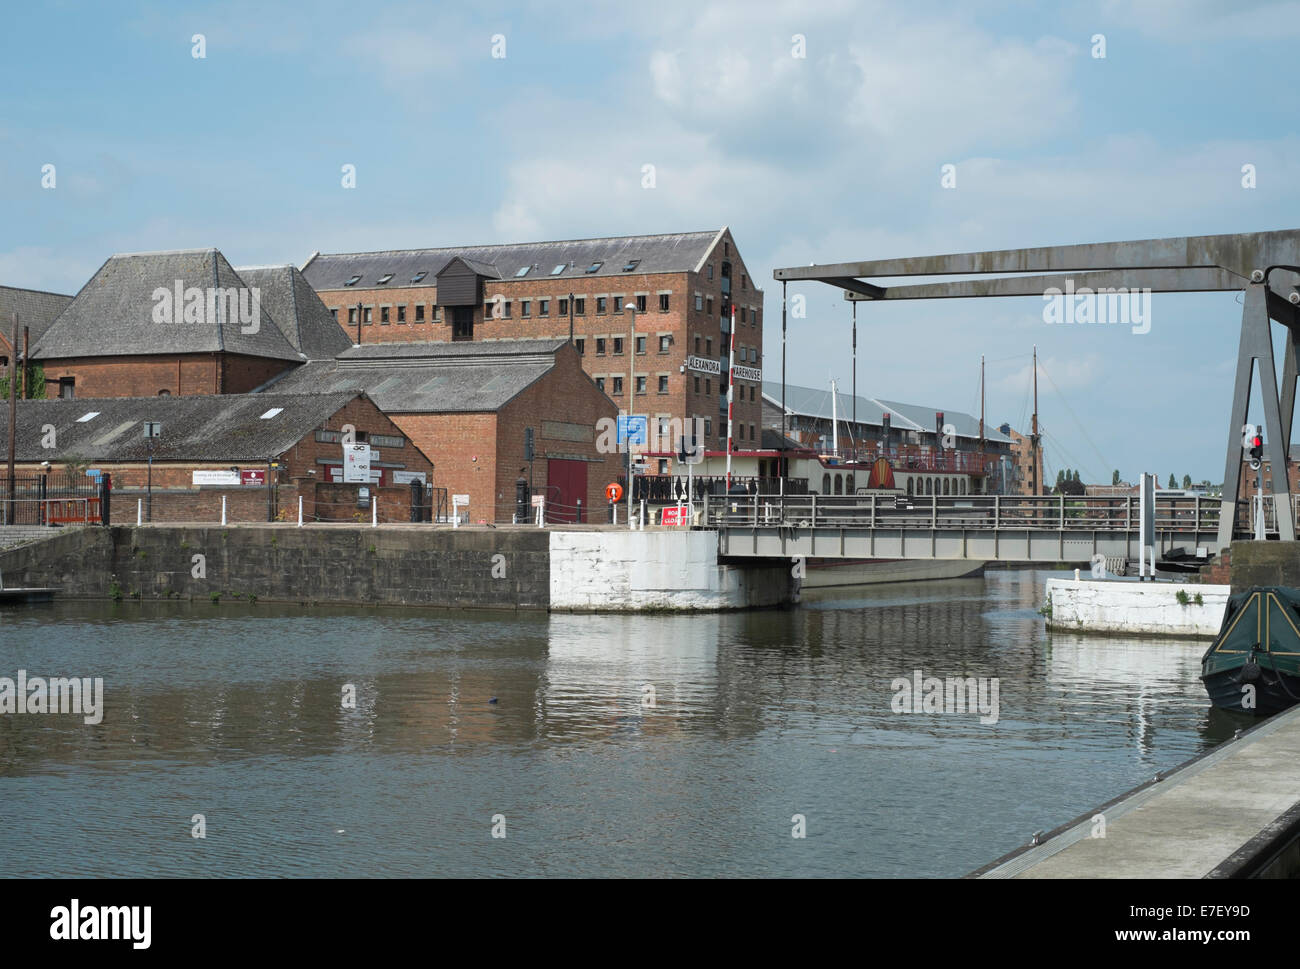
632	429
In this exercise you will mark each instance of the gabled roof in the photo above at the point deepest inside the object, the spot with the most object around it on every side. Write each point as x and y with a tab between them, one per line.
118	312
432	378
304	320
36	310
811	402
223	427
670	253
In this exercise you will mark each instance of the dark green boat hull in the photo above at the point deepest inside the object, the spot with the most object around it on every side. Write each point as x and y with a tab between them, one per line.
1253	666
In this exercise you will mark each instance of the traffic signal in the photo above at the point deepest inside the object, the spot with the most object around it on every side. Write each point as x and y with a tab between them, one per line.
1256	447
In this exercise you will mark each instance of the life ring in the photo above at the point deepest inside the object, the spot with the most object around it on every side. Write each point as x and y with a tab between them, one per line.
613	491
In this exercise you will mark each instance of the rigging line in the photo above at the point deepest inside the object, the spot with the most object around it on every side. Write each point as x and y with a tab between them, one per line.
1082	429
1067	455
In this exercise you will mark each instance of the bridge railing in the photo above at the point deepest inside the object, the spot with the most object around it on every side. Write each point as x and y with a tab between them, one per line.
1055	512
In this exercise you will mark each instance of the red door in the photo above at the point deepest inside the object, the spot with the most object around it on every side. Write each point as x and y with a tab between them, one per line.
567	486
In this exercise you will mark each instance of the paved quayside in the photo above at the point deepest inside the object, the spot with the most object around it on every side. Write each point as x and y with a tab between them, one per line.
1232	812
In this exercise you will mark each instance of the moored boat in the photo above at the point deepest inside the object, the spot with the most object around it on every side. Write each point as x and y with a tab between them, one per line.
1253	665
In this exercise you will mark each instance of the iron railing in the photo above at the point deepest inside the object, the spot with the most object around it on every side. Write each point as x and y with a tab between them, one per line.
1055	512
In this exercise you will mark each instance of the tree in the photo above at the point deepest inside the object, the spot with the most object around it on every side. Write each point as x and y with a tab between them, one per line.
1114	477
1076	476
1060	476
1187	481
1172	483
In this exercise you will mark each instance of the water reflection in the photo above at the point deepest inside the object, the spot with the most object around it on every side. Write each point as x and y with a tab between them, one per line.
650	745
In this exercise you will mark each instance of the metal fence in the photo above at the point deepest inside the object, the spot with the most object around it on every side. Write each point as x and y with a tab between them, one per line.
1056	512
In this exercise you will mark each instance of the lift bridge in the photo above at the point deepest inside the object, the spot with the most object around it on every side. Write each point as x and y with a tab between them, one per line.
1263	266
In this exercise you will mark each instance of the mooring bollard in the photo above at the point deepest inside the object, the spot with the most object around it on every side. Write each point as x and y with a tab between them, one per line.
223	509
139	511
300	511
374	512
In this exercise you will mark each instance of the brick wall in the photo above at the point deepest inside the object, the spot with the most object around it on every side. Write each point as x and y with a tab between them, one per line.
464	455
682	321
565	396
181	375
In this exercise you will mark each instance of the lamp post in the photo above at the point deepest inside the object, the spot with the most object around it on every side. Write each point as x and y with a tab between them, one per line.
630	306
152	429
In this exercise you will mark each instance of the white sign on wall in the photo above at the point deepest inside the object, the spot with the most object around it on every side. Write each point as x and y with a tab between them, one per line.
747	373
406	477
704	365
216	477
356	463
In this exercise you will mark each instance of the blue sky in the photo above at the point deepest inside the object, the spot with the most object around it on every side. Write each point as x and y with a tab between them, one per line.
832	157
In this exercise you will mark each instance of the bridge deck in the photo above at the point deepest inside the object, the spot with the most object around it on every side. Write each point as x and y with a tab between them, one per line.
978	527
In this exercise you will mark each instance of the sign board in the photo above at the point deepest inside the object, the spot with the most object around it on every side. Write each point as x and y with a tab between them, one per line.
460	499
539	501
334	472
406	477
676	517
93	472
250	476
747	373
632	429
356	462
704	365
216	477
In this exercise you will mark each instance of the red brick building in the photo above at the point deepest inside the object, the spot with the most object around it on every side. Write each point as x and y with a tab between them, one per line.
182	323
230	445
682	284
474	407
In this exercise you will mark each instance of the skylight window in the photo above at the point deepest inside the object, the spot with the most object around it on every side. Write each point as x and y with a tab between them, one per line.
420	275
559	269
385	278
271	413
353	281
631	264
523	272
594	267
88	416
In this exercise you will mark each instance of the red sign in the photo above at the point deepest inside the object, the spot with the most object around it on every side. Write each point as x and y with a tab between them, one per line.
676	517
252	477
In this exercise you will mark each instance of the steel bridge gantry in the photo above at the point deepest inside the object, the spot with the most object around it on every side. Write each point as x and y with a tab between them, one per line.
1263	266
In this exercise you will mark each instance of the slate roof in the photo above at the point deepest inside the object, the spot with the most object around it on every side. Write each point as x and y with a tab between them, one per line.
222	427
304	320
113	314
673	252
813	402
36	311
431	378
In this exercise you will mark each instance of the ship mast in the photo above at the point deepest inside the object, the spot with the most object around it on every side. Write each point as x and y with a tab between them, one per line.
1036	470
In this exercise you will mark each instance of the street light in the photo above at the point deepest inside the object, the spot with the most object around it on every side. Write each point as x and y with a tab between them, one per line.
152	429
631	398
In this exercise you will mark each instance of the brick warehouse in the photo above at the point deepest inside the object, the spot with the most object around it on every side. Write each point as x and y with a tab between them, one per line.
225	445
685	282
127	334
472	407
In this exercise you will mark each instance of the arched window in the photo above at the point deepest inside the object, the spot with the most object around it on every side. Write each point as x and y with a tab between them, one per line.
963	486
848	485
929	486
826	484
909	486
164	393
946	485
839	484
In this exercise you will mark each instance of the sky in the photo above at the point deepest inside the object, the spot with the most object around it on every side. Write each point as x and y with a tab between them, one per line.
514	122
